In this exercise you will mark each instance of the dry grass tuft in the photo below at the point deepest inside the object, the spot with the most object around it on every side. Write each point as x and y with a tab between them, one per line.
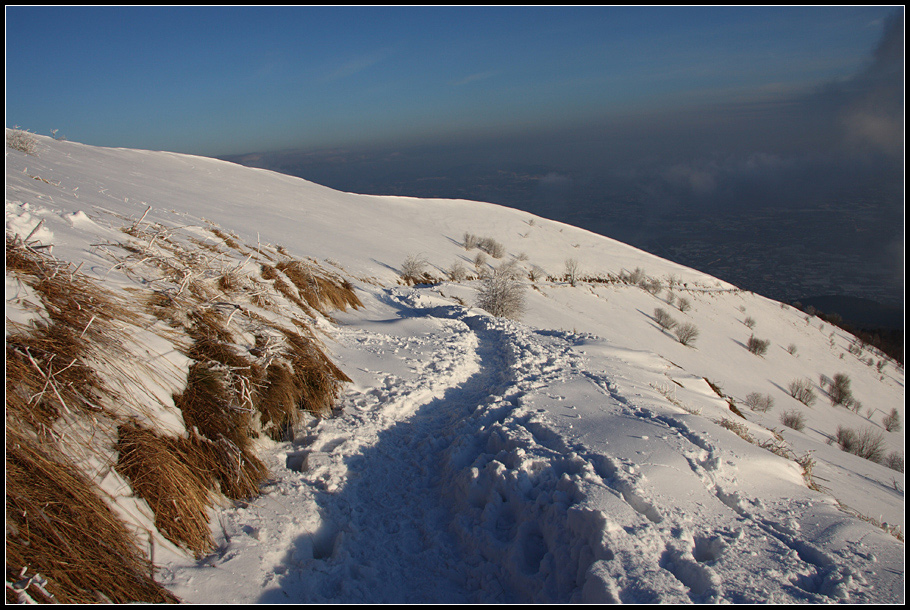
318	379
177	495
317	290
271	274
58	525
234	471
279	402
229	241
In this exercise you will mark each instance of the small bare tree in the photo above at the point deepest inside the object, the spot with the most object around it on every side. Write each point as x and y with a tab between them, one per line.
572	271
683	304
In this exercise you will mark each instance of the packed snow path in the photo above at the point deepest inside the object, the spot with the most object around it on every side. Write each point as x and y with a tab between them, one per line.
459	470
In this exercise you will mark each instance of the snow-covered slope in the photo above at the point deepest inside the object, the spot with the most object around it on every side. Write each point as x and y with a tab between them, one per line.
582	453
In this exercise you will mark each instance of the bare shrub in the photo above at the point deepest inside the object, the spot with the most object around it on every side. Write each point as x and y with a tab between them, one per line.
892	421
502	293
757	346
759	402
686	333
537	272
791	349
894	461
636	276
479	261
793	419
491	247
801	390
470	241
749	321
664	319
868	443
683	304
652	285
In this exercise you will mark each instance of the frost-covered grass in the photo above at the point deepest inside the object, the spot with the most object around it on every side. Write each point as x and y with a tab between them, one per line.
578	454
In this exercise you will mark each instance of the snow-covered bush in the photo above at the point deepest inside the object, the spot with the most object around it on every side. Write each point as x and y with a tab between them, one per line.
458	272
412	269
502	293
21	140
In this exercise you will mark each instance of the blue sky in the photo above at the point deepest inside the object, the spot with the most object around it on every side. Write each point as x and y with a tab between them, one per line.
227	80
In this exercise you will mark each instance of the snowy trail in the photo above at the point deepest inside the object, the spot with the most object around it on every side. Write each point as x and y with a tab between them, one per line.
452	476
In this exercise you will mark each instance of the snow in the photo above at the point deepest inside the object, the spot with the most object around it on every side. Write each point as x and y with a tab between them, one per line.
574	455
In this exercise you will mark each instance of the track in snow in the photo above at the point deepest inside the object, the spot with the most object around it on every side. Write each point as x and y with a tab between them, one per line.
444	483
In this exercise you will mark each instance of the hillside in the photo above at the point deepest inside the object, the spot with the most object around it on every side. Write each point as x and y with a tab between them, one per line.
170	314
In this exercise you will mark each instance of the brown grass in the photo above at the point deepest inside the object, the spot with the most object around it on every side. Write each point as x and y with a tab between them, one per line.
56	517
177	495
317	377
279	402
58	525
318	291
271	274
229	241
